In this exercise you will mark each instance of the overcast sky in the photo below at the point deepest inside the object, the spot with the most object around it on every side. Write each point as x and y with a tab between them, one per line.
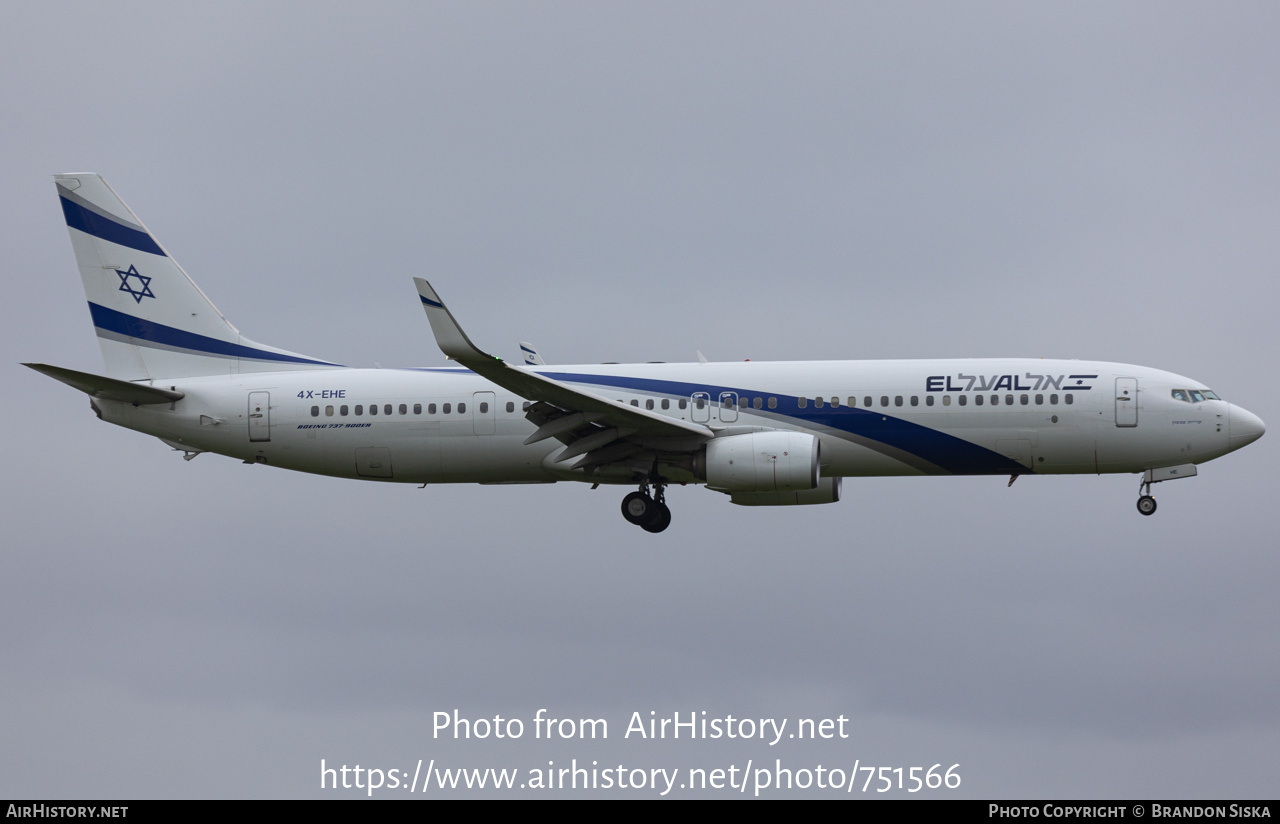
639	181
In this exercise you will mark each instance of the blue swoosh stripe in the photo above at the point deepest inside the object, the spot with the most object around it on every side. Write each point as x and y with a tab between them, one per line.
121	323
104	227
953	454
429	302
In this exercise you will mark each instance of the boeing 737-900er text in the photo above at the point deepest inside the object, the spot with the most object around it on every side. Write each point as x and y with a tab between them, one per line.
765	434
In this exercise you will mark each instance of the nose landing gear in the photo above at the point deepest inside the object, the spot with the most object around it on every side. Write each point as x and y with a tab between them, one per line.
1146	503
650	513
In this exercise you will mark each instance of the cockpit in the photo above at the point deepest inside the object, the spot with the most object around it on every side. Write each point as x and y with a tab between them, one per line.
1194	395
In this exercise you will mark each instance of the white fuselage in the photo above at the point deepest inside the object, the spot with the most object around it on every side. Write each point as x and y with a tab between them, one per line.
997	416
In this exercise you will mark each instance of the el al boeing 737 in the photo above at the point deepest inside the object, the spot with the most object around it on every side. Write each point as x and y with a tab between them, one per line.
765	434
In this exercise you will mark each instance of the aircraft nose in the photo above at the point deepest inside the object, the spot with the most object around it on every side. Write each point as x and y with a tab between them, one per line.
1243	427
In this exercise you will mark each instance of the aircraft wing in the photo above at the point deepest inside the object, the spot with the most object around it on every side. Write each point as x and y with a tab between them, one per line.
600	429
109	389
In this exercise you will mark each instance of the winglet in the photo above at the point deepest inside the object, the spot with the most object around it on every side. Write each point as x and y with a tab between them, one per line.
449	335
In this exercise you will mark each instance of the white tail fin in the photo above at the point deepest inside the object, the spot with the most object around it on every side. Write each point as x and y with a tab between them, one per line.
152	320
531	356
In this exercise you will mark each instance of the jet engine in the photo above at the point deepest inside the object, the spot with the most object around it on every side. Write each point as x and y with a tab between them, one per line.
773	461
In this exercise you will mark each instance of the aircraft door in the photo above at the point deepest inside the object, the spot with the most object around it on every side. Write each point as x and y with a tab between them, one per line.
1126	401
700	407
728	407
483	414
259	416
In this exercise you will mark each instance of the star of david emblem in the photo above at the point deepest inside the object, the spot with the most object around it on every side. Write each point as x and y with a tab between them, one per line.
144	290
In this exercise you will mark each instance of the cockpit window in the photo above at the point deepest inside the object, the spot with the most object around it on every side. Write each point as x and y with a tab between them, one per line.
1194	395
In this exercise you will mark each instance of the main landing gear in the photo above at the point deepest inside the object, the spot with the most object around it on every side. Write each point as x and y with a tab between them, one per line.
1146	504
649	513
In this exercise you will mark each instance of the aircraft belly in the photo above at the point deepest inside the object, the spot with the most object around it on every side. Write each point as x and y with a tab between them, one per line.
848	459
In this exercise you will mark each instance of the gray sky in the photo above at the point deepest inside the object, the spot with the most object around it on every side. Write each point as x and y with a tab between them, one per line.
621	182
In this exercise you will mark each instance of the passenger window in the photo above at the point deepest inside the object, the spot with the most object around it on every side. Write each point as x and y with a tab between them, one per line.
445	408
387	409
404	409
802	402
511	406
417	409
915	400
835	401
817	402
977	399
342	410
431	409
758	403
897	400
995	400
700	403
666	403
773	403
648	404
928	400
524	407
462	409
884	400
946	400
866	401
373	409
853	400
484	408
683	403
1008	400
965	399
1039	400
1068	398
328	411
1053	399
1024	399
315	411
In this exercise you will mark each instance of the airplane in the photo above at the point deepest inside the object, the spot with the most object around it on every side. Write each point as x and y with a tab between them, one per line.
763	433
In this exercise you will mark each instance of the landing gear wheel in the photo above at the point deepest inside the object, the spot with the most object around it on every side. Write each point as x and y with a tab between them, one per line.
658	519
1146	505
637	508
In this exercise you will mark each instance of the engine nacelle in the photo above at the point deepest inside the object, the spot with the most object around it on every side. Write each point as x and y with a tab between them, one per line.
827	492
773	461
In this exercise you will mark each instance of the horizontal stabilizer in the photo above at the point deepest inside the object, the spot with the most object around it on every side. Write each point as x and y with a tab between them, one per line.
109	389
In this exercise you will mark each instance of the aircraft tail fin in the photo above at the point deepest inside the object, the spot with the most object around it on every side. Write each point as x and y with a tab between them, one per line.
530	353
151	318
